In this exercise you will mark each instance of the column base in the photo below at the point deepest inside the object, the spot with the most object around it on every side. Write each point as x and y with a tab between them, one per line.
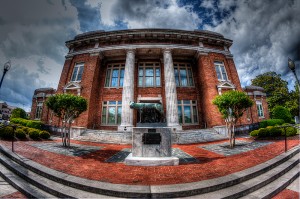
175	127
125	128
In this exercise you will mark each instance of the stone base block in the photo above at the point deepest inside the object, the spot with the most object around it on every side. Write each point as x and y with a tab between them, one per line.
151	161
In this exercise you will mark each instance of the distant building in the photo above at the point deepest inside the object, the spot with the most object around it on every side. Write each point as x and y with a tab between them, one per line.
5	110
182	70
39	110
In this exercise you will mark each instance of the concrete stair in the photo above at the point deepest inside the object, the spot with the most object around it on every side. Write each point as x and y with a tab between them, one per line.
262	181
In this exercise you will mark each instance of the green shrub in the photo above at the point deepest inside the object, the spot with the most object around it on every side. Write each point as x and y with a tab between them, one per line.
275	131
280	112
263	124
7	132
34	124
20	133
254	133
25	129
44	134
34	133
290	131
263	132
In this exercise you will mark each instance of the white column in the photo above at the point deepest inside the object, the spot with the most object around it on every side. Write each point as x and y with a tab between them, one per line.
170	91
128	92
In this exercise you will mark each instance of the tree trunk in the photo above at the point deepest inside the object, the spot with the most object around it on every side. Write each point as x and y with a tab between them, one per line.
233	132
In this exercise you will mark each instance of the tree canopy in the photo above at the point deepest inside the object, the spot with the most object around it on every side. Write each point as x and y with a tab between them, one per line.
232	105
237	101
18	113
277	92
67	107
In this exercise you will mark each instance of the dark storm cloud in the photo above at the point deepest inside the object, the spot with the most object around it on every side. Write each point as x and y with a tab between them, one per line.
32	36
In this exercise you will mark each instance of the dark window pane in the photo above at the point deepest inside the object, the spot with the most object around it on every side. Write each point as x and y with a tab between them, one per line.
141	72
104	115
79	76
119	115
195	114
121	81
187	114
74	74
140	81
179	114
112	102
107	78
177	81
186	102
122	72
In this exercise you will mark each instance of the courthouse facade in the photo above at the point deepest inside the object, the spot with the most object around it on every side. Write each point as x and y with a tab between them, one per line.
182	70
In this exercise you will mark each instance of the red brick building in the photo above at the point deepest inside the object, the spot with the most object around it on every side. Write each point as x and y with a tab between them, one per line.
183	70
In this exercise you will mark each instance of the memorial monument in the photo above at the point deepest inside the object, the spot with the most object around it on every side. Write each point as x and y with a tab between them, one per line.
151	139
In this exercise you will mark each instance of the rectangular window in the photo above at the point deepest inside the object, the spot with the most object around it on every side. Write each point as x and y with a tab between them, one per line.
183	75
77	72
115	75
111	112
149	75
260	110
38	111
220	70
187	112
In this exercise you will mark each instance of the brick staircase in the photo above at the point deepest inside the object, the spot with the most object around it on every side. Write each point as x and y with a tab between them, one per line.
262	181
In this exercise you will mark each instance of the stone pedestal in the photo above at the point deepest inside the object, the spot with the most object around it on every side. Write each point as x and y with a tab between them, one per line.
151	147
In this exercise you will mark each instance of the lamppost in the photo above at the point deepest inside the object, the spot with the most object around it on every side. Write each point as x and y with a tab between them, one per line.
291	65
6	68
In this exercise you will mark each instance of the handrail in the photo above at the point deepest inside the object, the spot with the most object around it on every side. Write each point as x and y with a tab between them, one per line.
285	137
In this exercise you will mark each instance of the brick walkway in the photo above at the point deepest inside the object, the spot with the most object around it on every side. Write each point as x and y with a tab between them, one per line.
99	162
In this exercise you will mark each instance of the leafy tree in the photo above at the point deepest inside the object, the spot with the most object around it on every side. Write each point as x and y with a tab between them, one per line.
18	113
280	112
277	92
271	82
67	107
232	105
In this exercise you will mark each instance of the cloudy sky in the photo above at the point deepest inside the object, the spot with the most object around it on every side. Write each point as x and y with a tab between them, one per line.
33	34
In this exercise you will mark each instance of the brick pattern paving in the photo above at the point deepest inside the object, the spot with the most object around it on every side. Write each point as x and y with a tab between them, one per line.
14	195
73	150
94	166
241	146
287	194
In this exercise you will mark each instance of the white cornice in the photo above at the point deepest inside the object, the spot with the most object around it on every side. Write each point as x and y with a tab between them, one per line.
135	46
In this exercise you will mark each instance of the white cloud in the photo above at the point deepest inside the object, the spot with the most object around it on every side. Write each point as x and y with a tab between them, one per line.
148	14
264	34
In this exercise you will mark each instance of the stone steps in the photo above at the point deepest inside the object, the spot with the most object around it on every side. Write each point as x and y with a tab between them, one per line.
264	179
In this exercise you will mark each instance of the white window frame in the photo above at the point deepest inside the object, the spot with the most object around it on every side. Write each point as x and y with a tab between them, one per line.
218	67
106	105
260	109
192	103
109	72
190	77
79	66
154	66
39	110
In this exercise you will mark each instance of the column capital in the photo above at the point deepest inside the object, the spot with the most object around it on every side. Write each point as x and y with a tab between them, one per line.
167	50
199	53
131	50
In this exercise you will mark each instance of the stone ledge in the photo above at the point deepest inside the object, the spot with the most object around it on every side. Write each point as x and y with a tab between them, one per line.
151	161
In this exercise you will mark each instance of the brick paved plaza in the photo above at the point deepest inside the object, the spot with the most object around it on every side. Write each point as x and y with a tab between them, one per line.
104	162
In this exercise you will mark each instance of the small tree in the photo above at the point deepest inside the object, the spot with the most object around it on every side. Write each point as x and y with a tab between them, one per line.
232	105
67	107
280	112
18	113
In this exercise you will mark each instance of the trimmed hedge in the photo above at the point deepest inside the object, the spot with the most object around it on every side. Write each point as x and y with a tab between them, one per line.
273	132
270	122
44	135
280	112
34	133
7	132
28	123
20	133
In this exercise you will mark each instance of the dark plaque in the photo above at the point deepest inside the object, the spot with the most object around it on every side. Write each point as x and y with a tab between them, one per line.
151	138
